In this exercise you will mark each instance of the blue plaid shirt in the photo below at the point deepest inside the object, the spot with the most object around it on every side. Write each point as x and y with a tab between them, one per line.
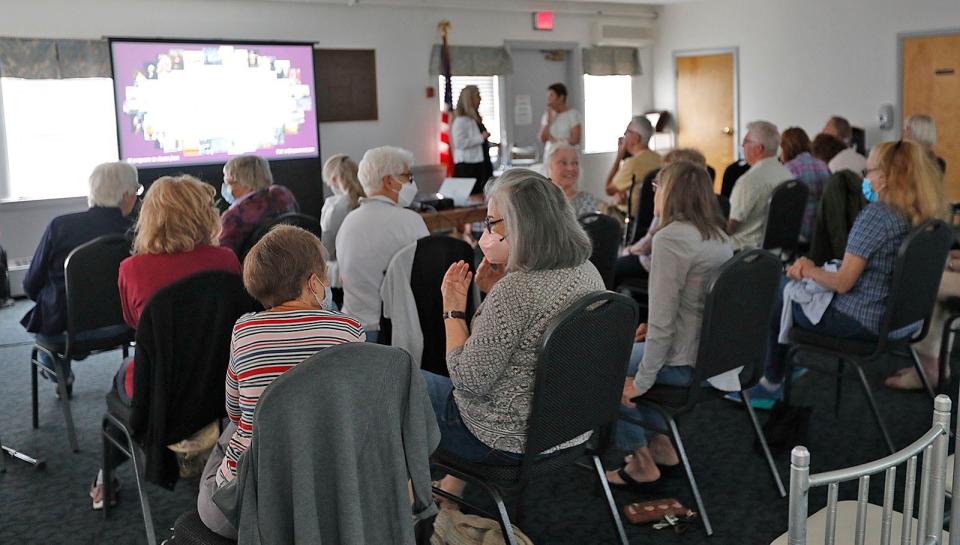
876	235
814	173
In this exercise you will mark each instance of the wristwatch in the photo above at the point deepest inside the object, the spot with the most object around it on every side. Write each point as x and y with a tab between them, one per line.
456	314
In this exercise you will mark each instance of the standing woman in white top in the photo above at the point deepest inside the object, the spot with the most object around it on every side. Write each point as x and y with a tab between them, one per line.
471	150
688	248
560	122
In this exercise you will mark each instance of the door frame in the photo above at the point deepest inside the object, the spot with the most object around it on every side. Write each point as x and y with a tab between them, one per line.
574	87
901	36
735	51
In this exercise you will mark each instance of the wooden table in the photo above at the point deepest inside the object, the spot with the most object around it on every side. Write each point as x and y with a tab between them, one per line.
454	219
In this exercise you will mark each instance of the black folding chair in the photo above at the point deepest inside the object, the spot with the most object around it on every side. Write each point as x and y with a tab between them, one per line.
605	234
785	218
93	303
733	333
913	292
581	364
164	332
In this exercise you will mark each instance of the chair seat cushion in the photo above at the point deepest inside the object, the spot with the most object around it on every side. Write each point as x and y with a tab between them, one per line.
858	347
847	523
190	530
116	407
507	474
675	397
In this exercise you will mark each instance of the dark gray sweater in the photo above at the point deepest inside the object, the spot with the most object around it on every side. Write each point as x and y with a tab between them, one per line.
335	441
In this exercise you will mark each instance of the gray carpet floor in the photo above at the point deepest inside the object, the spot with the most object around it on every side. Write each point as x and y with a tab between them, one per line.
52	506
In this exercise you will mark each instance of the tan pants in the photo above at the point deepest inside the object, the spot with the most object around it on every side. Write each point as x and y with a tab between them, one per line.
949	287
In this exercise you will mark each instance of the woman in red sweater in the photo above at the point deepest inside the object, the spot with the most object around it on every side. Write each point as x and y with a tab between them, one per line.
176	236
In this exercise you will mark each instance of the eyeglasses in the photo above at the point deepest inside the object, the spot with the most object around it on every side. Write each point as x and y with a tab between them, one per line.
407	175
139	189
748	141
489	222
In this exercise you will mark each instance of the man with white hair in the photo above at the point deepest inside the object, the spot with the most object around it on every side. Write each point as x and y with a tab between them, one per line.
372	233
847	159
750	200
642	160
112	196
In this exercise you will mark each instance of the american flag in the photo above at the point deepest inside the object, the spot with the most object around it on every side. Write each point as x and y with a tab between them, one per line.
446	154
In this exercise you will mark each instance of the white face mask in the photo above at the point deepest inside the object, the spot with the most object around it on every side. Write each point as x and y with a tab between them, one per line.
407	193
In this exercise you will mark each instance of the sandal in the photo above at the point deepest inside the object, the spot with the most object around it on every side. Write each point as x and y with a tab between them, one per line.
904	379
96	494
632	485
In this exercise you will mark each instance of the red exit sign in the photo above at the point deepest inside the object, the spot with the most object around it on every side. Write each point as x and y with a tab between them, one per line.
543	20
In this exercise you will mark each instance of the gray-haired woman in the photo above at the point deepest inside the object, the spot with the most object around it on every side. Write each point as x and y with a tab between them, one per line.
254	199
535	265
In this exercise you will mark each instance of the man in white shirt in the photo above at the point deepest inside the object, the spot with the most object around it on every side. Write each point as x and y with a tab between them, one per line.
750	200
375	231
847	159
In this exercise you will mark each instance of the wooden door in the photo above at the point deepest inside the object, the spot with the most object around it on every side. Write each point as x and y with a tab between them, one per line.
931	85
705	108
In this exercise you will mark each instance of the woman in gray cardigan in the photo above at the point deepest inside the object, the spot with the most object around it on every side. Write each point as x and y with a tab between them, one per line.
688	248
536	264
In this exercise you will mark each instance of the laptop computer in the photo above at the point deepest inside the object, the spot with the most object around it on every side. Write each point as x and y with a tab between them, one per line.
457	189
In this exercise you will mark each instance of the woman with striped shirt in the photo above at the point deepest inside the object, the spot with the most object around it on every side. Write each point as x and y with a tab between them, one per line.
286	272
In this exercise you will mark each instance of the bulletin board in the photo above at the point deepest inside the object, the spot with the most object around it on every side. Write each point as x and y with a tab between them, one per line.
346	84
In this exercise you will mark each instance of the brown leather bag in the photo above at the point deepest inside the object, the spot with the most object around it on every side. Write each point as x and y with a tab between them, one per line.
645	512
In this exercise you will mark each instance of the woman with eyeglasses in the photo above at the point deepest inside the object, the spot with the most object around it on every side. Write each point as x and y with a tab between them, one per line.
904	190
253	198
688	247
536	263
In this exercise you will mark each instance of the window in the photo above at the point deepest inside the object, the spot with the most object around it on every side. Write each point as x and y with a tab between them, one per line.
57	130
489	102
608	106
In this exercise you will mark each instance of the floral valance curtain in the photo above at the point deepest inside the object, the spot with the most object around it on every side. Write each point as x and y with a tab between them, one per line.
468	60
611	61
54	59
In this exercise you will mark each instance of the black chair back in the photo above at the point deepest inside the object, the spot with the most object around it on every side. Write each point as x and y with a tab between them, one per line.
724	203
581	366
644	214
297	219
93	298
787	204
433	257
605	235
916	278
736	319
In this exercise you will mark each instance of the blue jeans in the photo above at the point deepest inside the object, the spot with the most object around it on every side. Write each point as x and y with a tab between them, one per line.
631	436
833	323
372	336
455	438
92	335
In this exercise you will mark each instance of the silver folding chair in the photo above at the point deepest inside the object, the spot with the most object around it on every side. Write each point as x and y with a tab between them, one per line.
872	523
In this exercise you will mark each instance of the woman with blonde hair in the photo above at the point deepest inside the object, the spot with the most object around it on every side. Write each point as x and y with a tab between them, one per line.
176	236
904	190
340	175
468	138
921	129
688	248
254	199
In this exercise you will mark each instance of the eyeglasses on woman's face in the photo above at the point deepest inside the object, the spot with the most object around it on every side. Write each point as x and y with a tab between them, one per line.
489	222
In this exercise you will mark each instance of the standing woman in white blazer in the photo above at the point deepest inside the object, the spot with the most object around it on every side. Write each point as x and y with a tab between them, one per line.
471	150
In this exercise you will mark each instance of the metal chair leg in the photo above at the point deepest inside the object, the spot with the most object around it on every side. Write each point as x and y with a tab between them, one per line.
874	408
611	504
139	470
922	373
763	443
60	370
106	466
678	443
33	386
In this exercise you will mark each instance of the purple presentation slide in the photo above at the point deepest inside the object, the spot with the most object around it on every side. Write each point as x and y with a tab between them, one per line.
196	103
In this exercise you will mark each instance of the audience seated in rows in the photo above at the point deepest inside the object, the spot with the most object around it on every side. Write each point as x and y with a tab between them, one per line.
536	264
750	200
636	264
814	173
689	246
375	231
176	236
904	189
848	158
921	129
286	272
627	171
563	169
112	197
254	199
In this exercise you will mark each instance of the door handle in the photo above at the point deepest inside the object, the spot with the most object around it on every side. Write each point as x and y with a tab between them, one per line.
727	130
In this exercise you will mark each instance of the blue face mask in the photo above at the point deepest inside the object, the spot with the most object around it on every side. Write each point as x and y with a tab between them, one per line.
226	194
868	191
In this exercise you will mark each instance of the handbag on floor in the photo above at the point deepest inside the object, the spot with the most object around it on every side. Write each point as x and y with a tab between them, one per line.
452	527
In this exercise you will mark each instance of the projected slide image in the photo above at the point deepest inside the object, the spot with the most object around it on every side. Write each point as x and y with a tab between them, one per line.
205	103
